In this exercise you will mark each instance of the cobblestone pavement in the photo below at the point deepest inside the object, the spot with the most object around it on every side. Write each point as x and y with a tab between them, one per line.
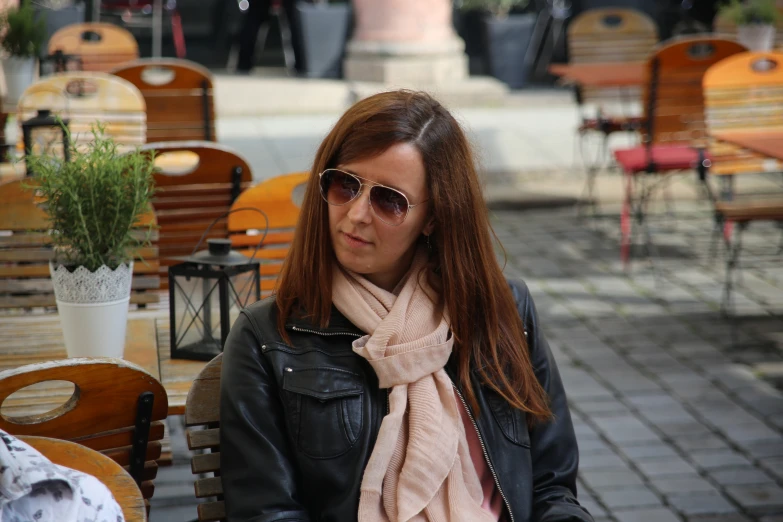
675	420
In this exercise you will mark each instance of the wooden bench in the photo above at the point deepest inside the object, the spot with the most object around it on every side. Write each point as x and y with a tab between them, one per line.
197	182
744	113
25	252
116	408
86	98
674	127
81	458
100	46
203	410
280	199
179	98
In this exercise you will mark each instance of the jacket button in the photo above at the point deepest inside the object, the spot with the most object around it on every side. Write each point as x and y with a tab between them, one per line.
289	369
263	347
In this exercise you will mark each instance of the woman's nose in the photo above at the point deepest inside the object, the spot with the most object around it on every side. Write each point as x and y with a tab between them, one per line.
360	207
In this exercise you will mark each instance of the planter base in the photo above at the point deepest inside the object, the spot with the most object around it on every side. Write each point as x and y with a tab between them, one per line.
94	329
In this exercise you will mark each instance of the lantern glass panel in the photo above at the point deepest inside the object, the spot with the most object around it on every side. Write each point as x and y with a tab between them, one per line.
205	303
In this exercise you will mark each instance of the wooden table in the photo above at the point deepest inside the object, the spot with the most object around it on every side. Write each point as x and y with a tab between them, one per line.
615	74
766	142
30	339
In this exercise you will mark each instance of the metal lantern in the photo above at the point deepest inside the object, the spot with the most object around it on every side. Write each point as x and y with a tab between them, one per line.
45	134
206	293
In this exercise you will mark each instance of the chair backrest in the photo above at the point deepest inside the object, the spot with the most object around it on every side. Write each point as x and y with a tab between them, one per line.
26	249
202	409
197	182
724	27
611	35
101	46
81	458
179	98
743	93
280	199
86	98
102	414
672	98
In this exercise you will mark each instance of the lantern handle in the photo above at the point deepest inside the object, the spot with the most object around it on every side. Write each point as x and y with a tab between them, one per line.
223	216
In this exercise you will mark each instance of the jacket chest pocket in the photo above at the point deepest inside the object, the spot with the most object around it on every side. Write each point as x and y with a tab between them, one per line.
324	409
511	421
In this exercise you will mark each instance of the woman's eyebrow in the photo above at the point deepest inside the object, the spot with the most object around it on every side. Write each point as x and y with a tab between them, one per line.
406	192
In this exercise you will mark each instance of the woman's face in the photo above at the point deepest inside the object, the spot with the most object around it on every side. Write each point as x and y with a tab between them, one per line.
362	242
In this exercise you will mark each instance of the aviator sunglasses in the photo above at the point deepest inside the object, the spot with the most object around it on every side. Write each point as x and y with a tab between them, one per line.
390	205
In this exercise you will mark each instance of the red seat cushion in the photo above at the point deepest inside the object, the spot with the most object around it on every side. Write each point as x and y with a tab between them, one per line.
664	157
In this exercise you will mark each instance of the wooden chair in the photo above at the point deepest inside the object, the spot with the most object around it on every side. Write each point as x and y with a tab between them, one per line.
25	252
203	409
100	46
116	408
725	27
86	98
197	182
603	36
280	199
674	131
179	98
743	94
81	458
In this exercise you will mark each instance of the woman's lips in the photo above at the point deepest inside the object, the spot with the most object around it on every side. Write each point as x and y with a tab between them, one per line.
355	241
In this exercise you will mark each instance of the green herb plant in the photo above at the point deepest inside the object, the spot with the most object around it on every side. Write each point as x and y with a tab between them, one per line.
94	200
751	12
22	31
498	8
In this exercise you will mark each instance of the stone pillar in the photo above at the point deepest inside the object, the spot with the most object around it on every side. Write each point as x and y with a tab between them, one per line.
405	43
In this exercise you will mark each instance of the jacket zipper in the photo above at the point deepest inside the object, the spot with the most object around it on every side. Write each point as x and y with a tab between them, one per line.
321	332
484	449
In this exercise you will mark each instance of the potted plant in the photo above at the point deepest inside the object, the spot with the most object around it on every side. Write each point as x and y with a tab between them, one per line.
93	202
22	35
755	20
507	38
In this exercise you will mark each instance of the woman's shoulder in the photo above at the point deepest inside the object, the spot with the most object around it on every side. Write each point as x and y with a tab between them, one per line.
260	316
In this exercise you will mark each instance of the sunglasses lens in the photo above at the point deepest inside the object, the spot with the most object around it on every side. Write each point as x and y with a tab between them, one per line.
338	188
390	205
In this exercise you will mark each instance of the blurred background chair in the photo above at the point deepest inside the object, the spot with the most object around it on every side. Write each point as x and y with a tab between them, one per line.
99	46
178	95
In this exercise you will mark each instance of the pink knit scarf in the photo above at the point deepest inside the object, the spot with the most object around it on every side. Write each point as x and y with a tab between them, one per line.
420	468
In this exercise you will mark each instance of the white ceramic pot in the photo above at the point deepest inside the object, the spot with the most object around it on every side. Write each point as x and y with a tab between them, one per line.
756	37
93	308
19	75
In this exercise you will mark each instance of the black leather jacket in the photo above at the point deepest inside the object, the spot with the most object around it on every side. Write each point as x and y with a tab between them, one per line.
298	423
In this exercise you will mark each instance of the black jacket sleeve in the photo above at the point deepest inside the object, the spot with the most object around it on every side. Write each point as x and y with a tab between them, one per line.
252	431
553	444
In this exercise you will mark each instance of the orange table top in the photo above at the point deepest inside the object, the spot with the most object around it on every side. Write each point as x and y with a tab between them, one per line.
615	74
766	142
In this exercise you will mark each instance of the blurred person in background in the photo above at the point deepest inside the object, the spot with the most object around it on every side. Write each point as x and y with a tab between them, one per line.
260	12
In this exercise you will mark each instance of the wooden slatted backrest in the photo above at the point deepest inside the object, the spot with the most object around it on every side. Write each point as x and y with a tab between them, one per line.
725	27
81	458
280	199
179	98
86	98
202	409
101	46
197	181
25	252
611	35
673	99
101	413
744	93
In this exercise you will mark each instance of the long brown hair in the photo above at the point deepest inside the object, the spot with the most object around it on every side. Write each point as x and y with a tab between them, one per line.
486	326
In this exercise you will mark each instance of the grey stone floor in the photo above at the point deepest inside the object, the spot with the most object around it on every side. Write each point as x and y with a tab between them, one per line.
677	419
